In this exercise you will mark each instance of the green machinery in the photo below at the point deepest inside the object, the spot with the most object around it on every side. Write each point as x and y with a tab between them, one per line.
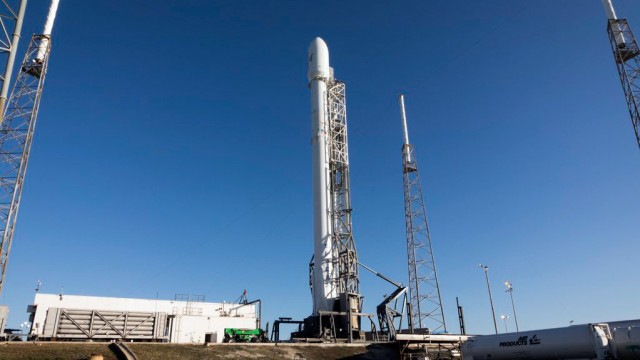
244	335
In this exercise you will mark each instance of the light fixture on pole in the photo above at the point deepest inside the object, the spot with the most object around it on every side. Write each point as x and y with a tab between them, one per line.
505	318
493	312
510	291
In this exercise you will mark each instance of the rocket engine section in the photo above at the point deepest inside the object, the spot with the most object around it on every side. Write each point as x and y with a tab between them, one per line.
578	342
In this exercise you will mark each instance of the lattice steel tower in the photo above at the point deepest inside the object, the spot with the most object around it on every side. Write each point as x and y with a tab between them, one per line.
424	290
16	133
626	54
344	246
11	17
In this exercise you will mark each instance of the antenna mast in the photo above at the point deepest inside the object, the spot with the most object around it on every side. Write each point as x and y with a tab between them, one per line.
625	52
424	290
16	133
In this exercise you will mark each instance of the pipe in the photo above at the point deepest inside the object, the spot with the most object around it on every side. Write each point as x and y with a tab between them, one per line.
396	284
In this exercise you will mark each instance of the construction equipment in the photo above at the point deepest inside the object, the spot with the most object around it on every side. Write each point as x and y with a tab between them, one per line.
244	335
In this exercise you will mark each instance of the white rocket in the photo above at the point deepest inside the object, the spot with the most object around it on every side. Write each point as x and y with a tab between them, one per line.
319	74
48	26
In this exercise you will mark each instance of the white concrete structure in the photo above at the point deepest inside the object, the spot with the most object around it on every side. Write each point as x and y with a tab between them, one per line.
173	320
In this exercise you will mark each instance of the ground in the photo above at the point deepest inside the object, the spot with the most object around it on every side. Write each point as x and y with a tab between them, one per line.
151	351
54	351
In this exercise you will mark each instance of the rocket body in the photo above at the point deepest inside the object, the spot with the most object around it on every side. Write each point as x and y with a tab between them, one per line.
319	73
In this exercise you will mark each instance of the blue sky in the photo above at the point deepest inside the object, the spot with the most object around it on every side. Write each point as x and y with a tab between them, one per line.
172	153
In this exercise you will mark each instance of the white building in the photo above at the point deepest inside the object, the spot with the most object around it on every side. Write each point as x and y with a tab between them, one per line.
187	319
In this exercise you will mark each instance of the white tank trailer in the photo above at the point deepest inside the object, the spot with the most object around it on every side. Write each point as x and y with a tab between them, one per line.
613	340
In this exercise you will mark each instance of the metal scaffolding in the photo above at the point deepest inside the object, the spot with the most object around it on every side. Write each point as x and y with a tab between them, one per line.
344	278
344	248
625	52
424	290
344	251
16	136
11	17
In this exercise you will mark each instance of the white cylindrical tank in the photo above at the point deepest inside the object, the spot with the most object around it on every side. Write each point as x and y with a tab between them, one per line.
573	342
319	74
626	342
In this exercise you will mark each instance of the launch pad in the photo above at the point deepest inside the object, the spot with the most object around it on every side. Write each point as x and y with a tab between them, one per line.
344	323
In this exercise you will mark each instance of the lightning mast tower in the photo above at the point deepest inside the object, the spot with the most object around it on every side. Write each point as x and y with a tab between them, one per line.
424	290
626	55
334	278
16	133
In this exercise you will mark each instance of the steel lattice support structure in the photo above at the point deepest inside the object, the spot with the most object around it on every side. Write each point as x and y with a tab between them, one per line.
344	248
11	17
16	136
424	290
625	52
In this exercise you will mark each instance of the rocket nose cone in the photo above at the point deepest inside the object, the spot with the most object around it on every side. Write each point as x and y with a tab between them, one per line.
318	59
317	43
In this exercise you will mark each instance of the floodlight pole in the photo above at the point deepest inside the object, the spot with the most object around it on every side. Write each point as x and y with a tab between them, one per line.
493	312
505	317
510	291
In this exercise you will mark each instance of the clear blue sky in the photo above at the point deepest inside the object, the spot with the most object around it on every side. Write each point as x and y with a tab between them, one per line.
173	155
